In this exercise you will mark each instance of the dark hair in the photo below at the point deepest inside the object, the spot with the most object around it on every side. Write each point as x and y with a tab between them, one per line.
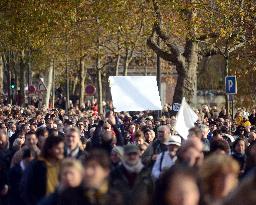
237	141
139	134
52	132
83	140
41	131
219	144
99	156
146	130
31	133
216	132
49	143
167	178
27	153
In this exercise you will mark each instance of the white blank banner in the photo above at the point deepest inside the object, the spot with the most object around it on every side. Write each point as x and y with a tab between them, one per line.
134	93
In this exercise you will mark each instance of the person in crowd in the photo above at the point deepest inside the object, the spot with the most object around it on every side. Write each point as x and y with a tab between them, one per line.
218	176
167	159
116	156
5	160
72	144
30	143
131	133
191	153
252	117
177	186
12	129
14	177
41	177
95	187
70	176
82	129
139	138
244	193
157	146
251	137
84	142
250	159
114	177
108	141
22	130
33	127
149	135
195	132
143	147
18	143
216	135
219	147
3	128
42	134
239	147
206	143
132	179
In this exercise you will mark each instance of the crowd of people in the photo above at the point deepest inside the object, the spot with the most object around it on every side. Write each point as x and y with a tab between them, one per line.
53	157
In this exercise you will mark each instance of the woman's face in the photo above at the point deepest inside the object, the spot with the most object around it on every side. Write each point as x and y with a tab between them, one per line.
71	177
182	191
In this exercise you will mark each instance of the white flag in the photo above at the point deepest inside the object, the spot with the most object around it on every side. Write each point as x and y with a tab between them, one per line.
185	119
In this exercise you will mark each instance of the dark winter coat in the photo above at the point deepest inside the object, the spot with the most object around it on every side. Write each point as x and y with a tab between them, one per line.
139	192
79	196
33	182
14	179
156	147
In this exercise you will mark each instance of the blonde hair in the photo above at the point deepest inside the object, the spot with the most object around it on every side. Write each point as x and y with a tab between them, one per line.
71	163
213	166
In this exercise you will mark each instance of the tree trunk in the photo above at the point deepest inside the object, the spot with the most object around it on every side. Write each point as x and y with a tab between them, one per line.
49	84
99	78
1	76
126	64
186	65
117	64
22	79
99	85
82	81
74	85
53	84
226	72
179	89
191	76
127	61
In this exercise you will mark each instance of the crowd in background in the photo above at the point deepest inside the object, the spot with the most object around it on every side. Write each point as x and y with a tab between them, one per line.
53	157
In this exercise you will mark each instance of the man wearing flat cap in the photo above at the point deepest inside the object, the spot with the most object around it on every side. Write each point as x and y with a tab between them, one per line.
131	179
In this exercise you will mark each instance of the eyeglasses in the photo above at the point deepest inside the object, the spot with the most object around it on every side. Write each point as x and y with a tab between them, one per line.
106	128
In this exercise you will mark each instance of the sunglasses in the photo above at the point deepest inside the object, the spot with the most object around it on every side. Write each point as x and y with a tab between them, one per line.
106	128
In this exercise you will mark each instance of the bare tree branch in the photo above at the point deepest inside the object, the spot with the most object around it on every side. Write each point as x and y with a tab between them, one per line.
163	54
173	47
206	37
240	45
